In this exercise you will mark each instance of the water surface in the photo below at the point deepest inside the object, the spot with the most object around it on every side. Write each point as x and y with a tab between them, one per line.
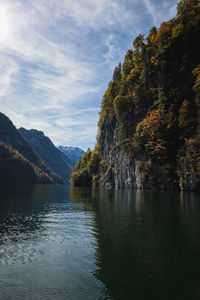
58	242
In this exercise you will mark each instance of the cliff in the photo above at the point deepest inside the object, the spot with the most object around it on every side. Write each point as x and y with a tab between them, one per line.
149	127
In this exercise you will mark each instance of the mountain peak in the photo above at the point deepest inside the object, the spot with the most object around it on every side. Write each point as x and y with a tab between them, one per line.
32	131
74	153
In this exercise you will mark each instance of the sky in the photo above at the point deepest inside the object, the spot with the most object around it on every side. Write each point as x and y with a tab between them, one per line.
58	56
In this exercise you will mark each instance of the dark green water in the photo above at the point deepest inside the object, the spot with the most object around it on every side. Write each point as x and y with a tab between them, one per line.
62	243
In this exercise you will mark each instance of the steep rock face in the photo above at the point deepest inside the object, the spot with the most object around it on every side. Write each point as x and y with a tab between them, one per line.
149	126
48	152
122	169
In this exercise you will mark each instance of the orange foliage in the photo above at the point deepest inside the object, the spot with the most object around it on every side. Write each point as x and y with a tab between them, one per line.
152	121
196	72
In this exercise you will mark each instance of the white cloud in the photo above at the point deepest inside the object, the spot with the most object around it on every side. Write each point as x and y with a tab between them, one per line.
10	69
58	57
160	12
86	13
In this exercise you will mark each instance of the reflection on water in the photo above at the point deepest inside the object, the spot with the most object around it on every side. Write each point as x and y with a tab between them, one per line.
68	243
47	246
148	243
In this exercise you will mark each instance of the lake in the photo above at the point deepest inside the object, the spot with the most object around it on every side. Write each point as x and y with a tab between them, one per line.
59	242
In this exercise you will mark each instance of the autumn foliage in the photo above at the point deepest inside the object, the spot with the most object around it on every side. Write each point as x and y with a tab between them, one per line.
154	97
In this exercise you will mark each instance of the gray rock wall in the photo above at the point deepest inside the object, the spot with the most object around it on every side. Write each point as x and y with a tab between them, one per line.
124	171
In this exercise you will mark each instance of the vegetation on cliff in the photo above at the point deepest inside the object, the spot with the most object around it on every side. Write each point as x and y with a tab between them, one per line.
85	172
154	98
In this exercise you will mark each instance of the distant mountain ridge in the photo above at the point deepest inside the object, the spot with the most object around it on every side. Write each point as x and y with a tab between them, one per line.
16	149
30	157
50	154
74	153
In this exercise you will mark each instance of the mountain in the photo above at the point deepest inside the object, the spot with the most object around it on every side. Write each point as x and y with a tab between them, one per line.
73	153
44	147
149	127
10	136
15	168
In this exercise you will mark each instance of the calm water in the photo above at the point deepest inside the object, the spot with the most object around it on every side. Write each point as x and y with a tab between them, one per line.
66	243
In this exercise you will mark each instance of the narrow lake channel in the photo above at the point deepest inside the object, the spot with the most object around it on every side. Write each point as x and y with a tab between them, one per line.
59	242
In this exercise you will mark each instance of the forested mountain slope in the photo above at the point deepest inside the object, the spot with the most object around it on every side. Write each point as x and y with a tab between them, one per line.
53	157
10	136
149	127
15	168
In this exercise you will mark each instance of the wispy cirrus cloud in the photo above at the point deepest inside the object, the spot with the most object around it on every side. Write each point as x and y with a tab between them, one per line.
10	69
57	58
160	11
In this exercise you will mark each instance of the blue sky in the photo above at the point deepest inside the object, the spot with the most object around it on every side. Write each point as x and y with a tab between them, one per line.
57	57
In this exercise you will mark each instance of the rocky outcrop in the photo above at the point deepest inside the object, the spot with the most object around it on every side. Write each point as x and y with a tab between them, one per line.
122	170
149	128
